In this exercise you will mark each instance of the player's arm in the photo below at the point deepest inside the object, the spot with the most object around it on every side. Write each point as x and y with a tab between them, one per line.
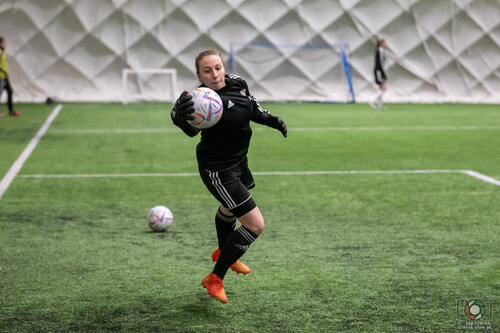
261	115
183	111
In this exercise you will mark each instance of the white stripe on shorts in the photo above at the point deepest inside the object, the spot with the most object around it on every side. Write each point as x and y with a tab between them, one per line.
241	203
214	176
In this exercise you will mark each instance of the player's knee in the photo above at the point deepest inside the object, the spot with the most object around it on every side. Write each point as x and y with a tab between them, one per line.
258	227
254	221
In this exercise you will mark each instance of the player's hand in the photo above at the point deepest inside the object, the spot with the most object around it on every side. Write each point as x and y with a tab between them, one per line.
183	109
280	125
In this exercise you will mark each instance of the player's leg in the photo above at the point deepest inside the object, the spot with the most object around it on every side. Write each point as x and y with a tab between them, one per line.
10	103
2	87
223	233
383	88
225	222
248	214
252	225
230	187
231	192
378	82
374	103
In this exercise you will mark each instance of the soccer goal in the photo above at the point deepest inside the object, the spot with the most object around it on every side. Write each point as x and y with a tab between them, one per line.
149	84
306	72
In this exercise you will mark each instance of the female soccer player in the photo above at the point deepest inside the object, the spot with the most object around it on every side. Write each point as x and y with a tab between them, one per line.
222	163
379	71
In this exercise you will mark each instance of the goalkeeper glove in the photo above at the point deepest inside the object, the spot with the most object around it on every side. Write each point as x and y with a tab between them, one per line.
279	124
183	109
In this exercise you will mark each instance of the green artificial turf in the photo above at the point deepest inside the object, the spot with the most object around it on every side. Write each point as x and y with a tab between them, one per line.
340	252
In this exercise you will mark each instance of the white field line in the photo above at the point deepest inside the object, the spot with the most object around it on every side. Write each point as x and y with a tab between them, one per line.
113	175
264	173
293	129
277	173
18	164
115	131
482	177
394	128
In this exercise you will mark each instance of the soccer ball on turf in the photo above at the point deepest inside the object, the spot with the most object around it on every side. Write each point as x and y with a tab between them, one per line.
207	107
160	218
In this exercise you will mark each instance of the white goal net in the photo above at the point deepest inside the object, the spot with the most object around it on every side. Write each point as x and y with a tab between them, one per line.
290	72
149	84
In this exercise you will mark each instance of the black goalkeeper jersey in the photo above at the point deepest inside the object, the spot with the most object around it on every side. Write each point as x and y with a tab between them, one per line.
226	143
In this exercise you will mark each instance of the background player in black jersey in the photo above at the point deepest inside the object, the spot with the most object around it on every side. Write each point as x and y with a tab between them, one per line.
222	163
379	72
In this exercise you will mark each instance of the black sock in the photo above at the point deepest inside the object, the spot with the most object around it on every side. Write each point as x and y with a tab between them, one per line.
236	245
225	226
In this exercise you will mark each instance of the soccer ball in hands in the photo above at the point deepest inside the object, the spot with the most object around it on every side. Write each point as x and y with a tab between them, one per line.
207	107
160	218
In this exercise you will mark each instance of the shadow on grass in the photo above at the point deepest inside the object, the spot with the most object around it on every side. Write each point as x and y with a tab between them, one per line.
190	312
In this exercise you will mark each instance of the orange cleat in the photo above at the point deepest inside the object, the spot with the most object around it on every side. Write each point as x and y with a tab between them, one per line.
215	287
2	115
238	266
15	114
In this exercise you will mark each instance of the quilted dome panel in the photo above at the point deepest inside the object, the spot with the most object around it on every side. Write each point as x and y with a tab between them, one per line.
75	50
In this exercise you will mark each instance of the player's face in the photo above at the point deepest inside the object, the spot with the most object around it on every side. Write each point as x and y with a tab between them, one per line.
211	72
2	44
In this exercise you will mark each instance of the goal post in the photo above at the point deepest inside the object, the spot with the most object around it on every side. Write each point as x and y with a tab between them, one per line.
151	84
322	71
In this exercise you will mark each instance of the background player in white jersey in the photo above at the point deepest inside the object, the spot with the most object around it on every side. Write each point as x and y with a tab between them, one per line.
222	163
379	72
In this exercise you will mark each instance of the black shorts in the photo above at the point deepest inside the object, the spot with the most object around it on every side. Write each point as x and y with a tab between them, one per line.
230	187
380	77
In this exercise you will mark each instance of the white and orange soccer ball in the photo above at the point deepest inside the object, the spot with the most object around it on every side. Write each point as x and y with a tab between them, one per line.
207	107
160	218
